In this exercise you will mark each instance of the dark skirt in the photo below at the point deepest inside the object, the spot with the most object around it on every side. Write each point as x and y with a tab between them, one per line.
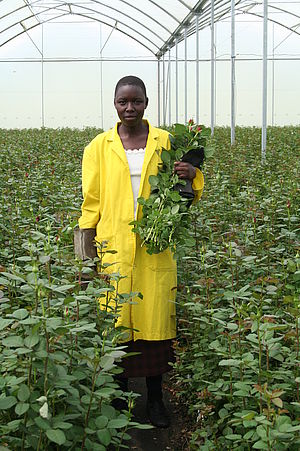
153	358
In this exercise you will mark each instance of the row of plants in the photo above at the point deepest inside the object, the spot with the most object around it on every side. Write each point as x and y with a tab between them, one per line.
238	301
58	353
238	346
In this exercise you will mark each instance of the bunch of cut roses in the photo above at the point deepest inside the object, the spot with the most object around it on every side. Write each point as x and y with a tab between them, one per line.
166	216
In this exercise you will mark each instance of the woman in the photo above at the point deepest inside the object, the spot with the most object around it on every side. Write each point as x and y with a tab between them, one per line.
115	171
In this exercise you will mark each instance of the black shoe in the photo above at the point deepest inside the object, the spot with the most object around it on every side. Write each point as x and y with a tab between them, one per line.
158	414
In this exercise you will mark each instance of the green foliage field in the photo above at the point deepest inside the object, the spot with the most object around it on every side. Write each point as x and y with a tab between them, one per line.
238	347
58	352
238	301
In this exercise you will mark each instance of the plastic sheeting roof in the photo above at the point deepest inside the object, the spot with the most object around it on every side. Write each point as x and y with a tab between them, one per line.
155	24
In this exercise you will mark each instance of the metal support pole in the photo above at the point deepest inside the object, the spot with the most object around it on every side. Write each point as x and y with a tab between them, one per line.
232	72
185	75
158	92
265	82
164	91
101	80
169	78
42	75
212	68
176	79
273	78
197	70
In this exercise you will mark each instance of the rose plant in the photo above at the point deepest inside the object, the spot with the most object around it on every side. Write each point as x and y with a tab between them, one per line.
166	215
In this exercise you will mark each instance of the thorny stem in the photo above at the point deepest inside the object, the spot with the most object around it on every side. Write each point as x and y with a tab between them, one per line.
297	352
90	404
230	371
49	294
40	441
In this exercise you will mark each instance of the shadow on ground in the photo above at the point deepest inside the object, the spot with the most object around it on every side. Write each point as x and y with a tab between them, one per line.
173	438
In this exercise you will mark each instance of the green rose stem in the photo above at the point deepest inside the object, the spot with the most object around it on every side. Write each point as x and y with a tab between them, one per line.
297	352
259	358
152	235
230	370
95	374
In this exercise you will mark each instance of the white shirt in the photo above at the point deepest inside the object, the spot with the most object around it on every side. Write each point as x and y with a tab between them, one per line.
135	158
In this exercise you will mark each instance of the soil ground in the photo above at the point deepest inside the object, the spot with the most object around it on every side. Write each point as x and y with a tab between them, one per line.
174	438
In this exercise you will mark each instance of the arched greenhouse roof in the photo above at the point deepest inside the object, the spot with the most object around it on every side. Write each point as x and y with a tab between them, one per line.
155	24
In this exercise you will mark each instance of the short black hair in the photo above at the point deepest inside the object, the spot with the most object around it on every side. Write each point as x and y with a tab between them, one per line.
131	80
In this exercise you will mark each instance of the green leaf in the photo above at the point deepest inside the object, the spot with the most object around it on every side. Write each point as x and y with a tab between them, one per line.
14	425
31	341
166	158
248	435
118	423
209	151
108	411
260	445
229	362
24	258
56	436
140	425
44	258
42	423
104	436
107	362
293	428
101	421
23	393
20	314
54	323
7	402
21	408
61	425
5	323
175	209
278	402
93	446
12	277
179	129
153	180
261	432
175	196
14	341
233	437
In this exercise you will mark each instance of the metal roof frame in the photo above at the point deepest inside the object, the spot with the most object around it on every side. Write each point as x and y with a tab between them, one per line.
199	15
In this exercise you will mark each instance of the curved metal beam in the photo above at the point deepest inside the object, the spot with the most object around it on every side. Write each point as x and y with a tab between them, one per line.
221	10
220	14
143	13
36	15
271	20
58	8
120	12
116	20
121	31
179	32
165	11
78	14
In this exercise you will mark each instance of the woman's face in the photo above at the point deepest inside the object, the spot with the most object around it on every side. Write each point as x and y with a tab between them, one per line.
130	103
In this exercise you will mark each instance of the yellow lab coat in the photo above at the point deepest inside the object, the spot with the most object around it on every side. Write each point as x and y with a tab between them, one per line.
108	206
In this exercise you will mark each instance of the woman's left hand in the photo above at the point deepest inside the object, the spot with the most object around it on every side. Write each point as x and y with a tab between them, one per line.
185	170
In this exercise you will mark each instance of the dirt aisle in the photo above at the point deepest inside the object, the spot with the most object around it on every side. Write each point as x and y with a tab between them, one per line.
174	438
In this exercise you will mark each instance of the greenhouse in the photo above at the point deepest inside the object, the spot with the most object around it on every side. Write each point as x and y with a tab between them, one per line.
149	225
